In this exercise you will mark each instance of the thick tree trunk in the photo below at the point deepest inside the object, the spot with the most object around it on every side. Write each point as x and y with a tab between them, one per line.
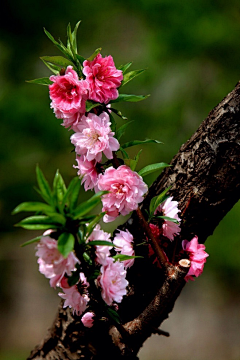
204	178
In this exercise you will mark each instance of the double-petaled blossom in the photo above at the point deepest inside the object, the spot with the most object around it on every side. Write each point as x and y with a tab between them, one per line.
126	189
124	242
113	281
102	251
88	319
87	172
76	297
170	209
68	95
197	256
103	78
51	262
94	137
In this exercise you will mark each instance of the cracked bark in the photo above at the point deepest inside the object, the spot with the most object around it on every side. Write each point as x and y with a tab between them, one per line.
205	179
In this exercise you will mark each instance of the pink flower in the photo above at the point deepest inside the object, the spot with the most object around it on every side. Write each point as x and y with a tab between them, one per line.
197	256
113	281
94	137
126	189
87	172
123	240
70	120
88	319
103	78
76	297
51	262
170	209
68	95
102	251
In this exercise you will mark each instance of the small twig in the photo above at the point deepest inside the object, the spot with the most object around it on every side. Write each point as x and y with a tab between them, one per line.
161	332
158	251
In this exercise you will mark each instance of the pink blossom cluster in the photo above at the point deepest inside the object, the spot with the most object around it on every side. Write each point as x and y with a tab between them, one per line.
51	263
69	93
197	256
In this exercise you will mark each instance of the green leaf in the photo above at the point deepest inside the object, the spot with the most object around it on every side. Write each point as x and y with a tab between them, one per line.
130	163
128	97
167	219
156	201
131	75
88	205
32	206
52	67
93	275
151	168
65	243
124	68
59	188
44	187
93	223
42	81
100	242
124	154
57	60
113	123
121	130
91	104
80	58
73	279
41	222
72	193
74	36
36	239
122	257
114	315
60	46
118	113
139	142
96	52
87	258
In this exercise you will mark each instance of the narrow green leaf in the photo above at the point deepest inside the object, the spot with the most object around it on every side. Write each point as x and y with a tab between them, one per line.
100	242
156	201
124	154
93	223
32	206
167	219
36	239
41	81
54	68
114	315
59	188
122	257
96	52
118	113
65	243
57	60
39	222
131	75
80	58
130	163
139	142
44	187
120	132
128	97
88	205
87	258
91	104
151	168
70	41
72	193
59	44
124	68
138	156
74	36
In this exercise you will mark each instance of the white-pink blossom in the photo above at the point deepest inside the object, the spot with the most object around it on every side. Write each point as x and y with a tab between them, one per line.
76	297
103	78
170	209
87	172
197	256
124	242
68	95
126	189
94	137
51	262
102	251
88	319
113	281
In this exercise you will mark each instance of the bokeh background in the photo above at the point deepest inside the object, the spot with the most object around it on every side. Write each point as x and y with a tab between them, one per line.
191	50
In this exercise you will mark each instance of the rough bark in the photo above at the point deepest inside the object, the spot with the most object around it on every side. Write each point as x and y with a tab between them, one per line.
204	178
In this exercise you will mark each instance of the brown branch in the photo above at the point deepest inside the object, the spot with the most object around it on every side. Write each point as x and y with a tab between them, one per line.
207	167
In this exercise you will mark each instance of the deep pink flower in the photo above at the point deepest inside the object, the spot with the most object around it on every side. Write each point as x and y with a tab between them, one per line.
197	256
88	319
113	281
76	297
170	209
68	95
94	137
103	78
124	242
102	251
126	189
51	262
87	172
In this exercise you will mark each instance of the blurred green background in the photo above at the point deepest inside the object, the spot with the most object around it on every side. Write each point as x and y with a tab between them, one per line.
191	50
